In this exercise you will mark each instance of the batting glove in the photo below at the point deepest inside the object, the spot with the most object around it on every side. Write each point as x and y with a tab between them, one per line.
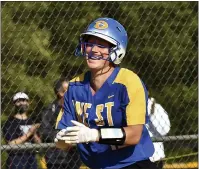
60	134
78	134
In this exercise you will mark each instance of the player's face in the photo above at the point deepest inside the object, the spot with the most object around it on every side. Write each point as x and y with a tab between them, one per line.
100	48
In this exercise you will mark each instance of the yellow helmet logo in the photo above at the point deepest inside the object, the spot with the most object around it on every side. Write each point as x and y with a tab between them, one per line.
101	25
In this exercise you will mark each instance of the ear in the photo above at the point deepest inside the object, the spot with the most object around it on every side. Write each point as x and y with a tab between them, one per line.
116	55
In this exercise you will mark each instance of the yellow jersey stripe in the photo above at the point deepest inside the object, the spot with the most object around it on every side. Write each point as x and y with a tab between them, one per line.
136	109
61	112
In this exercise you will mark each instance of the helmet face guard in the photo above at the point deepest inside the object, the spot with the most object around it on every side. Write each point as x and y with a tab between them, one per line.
109	30
82	48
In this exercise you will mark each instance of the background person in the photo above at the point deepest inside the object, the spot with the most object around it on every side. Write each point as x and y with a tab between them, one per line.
20	129
159	125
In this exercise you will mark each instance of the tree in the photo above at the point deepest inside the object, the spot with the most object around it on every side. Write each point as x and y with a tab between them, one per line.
39	40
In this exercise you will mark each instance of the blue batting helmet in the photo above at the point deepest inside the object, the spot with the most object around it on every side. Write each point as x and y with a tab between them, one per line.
109	30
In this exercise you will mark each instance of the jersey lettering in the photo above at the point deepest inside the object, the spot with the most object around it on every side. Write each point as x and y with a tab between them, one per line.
81	111
100	120
82	115
109	106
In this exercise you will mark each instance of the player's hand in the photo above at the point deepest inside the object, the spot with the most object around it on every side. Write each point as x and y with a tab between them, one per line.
60	135
78	134
59	142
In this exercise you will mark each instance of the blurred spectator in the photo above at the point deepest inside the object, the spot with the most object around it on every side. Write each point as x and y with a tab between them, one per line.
56	158
19	129
159	125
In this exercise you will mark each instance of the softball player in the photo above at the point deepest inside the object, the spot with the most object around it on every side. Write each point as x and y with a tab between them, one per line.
105	108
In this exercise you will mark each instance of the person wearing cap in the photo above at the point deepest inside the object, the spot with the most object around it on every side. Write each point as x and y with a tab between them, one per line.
105	108
54	157
20	129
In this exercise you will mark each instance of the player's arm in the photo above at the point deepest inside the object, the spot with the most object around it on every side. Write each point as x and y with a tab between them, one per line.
135	117
130	135
136	114
79	133
133	134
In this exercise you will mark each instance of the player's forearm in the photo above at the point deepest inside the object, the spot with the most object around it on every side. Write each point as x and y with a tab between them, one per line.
132	137
121	137
133	134
79	133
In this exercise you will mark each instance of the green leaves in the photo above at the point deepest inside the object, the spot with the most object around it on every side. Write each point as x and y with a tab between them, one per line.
39	40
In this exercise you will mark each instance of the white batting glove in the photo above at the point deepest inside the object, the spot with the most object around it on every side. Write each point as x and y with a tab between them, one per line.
78	134
60	134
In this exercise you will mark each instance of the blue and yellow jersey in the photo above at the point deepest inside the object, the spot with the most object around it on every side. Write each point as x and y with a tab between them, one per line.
120	102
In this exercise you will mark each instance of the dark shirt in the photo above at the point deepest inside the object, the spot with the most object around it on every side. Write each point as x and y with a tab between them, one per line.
49	116
15	128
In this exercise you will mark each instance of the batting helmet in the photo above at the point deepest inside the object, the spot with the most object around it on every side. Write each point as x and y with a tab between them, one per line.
109	30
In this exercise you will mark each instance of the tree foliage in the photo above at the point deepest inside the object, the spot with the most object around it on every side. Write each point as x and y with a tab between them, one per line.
39	40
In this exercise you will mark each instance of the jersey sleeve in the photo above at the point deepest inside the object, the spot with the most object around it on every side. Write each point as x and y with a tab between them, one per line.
136	110
135	97
67	113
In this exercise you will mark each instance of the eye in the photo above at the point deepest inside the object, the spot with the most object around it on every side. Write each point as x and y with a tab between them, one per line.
102	46
89	44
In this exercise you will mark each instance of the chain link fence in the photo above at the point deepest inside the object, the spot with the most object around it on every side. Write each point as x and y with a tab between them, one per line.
38	43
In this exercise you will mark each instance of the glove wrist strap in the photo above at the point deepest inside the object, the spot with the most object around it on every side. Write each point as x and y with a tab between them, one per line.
112	136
